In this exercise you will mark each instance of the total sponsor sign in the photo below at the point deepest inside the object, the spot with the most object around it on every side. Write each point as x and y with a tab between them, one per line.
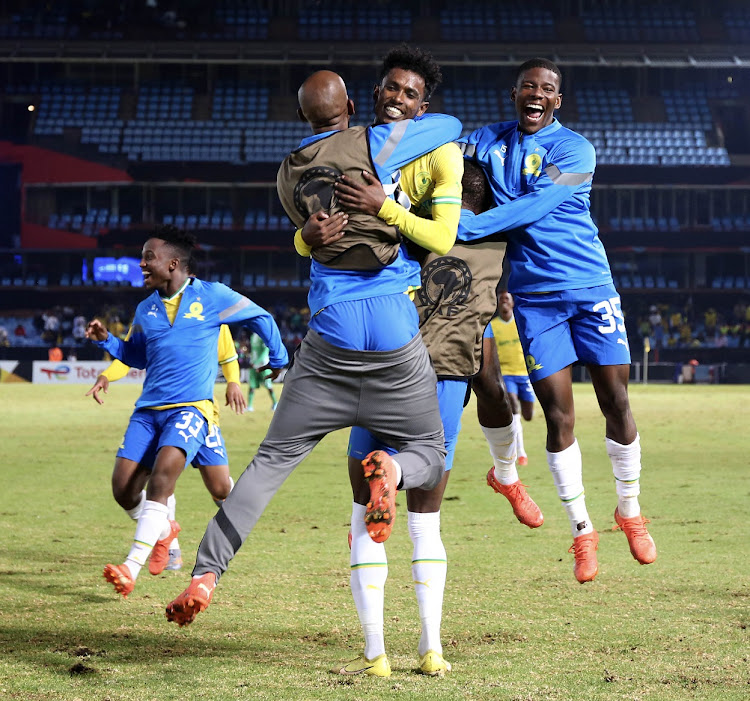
78	372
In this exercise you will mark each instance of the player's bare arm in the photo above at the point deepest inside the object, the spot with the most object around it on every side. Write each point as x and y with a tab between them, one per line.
367	198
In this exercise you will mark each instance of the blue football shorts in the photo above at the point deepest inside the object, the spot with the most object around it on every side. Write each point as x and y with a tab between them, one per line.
520	385
212	452
560	328
150	430
452	397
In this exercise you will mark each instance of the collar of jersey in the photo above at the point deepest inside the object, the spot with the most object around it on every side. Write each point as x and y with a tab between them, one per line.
179	292
315	137
549	129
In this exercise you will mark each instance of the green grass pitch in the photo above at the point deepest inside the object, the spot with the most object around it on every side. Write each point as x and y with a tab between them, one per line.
516	623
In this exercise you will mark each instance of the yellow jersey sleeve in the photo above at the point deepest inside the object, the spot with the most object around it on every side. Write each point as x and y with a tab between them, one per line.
433	185
299	244
228	359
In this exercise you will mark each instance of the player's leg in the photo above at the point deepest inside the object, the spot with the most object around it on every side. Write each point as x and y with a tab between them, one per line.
610	383
429	560
180	433
601	342
319	397
253	383
368	563
495	416
211	461
548	344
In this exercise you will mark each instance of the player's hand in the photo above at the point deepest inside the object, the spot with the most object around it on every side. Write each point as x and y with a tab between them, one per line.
273	373
236	398
367	198
96	331
321	229
101	385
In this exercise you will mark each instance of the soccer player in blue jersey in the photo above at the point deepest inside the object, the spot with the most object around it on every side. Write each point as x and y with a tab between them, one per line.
362	362
174	335
211	460
461	291
567	308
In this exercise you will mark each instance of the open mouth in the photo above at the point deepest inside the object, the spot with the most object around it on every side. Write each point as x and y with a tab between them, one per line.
393	112
533	112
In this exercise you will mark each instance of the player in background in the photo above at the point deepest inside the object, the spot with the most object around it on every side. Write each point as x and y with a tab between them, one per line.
455	301
211	460
362	360
257	376
174	336
513	366
567	308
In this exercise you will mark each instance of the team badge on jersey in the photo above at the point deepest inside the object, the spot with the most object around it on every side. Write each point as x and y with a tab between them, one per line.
196	312
531	364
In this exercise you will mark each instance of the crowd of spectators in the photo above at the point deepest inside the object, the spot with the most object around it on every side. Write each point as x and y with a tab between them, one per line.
65	327
665	324
671	325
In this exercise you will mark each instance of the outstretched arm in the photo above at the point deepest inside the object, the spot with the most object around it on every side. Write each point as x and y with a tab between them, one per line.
557	184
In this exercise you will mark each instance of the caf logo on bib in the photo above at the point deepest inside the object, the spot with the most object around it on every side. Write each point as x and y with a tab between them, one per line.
314	190
445	281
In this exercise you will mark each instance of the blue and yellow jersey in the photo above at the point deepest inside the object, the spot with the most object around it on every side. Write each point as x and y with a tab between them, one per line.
540	185
228	361
509	350
177	341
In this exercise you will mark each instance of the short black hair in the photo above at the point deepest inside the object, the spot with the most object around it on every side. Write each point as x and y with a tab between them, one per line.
475	190
183	243
412	58
540	63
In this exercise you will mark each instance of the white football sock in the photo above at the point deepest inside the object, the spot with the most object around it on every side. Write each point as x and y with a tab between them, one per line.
520	450
172	506
567	472
502	444
135	512
626	467
369	571
429	566
153	525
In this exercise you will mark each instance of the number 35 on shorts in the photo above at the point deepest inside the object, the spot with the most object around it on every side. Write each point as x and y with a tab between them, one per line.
611	315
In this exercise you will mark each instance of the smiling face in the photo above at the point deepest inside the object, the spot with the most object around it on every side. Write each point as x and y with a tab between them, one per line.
400	95
537	96
158	262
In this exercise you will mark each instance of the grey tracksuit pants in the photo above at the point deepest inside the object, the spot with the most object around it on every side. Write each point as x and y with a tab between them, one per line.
391	393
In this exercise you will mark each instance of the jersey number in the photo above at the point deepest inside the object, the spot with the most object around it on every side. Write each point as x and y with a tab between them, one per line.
190	425
611	313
